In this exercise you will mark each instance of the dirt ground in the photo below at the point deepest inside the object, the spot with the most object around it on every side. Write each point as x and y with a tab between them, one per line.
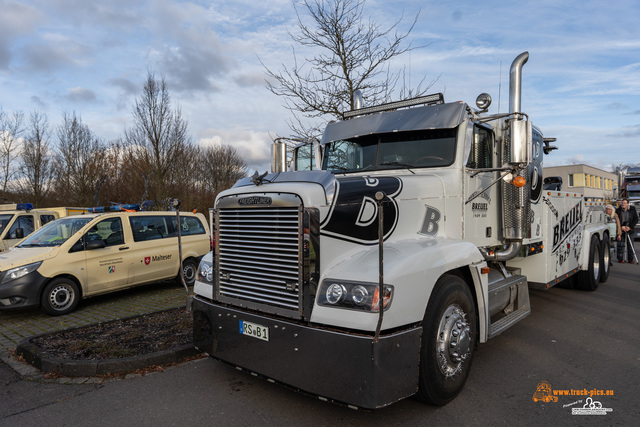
138	335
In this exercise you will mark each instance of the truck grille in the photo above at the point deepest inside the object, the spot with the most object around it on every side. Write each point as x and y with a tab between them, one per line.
258	256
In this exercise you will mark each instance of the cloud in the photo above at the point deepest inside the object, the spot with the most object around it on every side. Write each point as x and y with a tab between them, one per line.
16	19
55	50
250	79
80	94
127	86
254	147
41	104
627	132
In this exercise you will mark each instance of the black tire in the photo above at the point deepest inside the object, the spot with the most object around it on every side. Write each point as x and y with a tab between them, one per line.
588	280
60	296
449	324
190	270
605	259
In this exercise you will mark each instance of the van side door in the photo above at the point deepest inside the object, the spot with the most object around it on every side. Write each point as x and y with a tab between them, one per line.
107	266
154	249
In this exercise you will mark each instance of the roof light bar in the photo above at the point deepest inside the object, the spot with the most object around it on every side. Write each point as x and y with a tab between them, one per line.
436	98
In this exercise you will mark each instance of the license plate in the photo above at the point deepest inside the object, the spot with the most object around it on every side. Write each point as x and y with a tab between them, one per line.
254	330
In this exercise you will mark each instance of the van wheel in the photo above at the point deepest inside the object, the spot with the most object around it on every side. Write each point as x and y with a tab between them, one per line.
448	341
587	280
60	296
605	259
189	269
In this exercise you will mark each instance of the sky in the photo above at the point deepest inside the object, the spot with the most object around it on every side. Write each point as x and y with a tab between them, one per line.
580	85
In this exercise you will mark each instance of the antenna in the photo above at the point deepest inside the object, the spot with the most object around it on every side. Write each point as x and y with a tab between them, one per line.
499	86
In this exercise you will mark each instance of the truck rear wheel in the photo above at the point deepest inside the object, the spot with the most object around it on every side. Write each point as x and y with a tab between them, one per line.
448	341
605	259
60	296
587	280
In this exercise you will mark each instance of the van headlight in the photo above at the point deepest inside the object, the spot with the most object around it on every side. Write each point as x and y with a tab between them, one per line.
354	295
18	272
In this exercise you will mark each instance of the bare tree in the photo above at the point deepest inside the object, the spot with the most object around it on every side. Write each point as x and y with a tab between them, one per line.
36	162
81	160
354	54
11	127
158	139
220	167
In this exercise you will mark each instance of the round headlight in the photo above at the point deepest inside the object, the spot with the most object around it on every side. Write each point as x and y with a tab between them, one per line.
483	101
335	293
359	295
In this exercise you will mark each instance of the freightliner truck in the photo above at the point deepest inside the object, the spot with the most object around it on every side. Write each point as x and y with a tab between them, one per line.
376	277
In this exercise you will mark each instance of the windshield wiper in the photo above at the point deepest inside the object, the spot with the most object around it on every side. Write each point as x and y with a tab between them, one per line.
404	165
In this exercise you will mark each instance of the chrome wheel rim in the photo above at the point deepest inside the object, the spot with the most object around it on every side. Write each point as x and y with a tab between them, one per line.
453	340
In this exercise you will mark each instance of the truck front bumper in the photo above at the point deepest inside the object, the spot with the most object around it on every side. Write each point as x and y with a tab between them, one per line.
343	367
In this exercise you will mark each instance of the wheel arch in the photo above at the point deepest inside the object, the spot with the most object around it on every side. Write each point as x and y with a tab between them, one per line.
63	276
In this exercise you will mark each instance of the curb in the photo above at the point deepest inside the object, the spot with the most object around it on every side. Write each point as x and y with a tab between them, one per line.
38	358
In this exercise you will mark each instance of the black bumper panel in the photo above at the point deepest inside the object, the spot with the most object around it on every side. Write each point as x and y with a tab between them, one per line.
346	368
28	288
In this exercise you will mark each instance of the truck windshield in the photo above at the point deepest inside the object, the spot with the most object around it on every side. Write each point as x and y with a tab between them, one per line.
4	220
415	149
56	232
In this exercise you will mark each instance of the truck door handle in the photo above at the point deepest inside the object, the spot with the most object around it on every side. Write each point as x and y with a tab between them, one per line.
123	248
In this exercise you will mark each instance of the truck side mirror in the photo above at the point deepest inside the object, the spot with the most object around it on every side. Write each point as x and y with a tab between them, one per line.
521	137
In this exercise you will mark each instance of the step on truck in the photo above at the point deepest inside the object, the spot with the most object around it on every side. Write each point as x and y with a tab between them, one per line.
375	277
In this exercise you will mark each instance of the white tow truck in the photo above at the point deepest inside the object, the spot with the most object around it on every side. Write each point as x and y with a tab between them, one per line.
374	278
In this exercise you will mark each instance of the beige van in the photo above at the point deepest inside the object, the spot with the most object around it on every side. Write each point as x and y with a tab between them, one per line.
81	256
19	220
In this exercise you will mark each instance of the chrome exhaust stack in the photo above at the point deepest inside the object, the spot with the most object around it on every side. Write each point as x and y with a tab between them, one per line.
516	149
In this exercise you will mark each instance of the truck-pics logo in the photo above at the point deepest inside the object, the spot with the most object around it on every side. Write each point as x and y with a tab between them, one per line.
354	212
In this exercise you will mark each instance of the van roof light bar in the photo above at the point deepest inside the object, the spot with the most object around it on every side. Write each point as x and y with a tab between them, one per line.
433	99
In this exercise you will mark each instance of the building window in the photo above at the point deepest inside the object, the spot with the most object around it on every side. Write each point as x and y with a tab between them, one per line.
571	180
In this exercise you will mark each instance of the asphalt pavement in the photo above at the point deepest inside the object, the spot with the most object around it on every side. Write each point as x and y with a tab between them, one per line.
574	341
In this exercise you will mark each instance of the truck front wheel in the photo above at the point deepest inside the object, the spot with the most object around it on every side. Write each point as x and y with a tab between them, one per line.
448	341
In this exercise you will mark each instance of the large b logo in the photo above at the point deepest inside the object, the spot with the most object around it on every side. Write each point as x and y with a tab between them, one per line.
354	212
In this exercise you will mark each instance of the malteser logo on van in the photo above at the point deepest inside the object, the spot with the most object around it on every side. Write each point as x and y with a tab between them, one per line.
156	258
255	201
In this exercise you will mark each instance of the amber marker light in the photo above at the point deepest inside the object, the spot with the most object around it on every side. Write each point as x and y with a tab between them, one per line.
519	181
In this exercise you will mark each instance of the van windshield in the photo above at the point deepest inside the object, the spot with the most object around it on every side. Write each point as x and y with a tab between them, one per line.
56	232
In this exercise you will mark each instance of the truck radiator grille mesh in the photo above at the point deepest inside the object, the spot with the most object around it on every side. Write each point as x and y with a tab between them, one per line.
259	258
